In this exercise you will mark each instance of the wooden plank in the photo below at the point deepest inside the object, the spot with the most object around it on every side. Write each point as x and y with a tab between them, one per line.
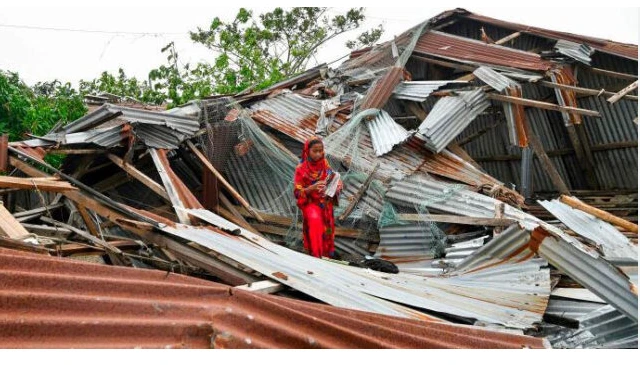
359	193
508	38
88	221
47	231
444	218
264	287
460	152
9	226
171	190
445	63
541	104
21	246
225	183
548	166
76	151
140	176
618	75
623	92
31	184
37	211
582	90
605	216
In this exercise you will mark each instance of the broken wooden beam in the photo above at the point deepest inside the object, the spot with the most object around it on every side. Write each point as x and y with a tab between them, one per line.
617	75
508	38
9	226
205	162
582	90
548	166
25	183
15	244
359	193
445	218
623	92
140	176
541	104
605	216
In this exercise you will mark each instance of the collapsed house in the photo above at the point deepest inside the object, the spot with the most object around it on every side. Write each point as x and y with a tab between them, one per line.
495	164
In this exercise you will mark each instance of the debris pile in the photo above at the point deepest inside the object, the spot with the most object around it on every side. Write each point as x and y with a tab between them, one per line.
434	135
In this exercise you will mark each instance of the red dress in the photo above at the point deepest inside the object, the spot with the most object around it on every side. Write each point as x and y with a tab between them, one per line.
318	227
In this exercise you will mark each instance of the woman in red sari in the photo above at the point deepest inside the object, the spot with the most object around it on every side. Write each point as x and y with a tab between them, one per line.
317	209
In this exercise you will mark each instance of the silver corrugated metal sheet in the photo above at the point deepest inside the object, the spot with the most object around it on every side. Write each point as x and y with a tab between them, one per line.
604	327
420	90
370	203
612	242
503	84
515	298
385	133
574	309
577	51
493	78
595	274
409	245
450	116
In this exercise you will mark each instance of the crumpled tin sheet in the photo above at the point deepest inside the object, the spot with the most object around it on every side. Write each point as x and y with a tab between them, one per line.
612	242
363	289
450	116
420	90
385	133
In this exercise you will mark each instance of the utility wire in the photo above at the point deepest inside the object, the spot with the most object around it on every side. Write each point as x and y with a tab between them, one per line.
32	27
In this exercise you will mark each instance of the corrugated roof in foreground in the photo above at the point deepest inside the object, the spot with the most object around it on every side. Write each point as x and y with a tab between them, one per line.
50	302
372	291
612	241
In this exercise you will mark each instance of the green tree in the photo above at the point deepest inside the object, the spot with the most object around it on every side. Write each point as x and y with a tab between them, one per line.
260	52
123	86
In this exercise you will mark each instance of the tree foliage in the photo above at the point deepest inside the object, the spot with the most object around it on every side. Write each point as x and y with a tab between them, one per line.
25	110
260	52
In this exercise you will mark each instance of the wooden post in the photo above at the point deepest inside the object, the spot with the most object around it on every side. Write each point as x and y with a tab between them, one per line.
549	167
605	216
224	182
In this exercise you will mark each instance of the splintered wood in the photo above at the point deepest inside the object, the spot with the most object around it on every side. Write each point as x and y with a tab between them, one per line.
43	184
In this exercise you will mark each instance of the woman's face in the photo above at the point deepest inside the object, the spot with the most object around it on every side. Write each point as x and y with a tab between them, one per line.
316	151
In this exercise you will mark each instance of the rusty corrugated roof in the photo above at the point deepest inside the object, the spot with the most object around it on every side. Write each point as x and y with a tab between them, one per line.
61	303
381	91
602	45
464	49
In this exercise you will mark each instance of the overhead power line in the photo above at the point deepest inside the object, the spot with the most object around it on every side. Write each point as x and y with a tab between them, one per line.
32	27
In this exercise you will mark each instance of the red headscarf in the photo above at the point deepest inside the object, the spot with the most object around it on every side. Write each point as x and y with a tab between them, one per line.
313	170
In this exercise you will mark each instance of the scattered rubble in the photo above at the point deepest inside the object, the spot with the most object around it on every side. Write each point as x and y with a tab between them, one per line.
434	135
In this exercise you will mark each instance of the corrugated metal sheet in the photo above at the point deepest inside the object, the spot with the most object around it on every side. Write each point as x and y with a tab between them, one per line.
574	309
450	116
61	303
578	51
594	273
604	327
514	113
612	241
409	245
381	90
616	48
420	90
289	113
385	133
350	287
464	49
370	204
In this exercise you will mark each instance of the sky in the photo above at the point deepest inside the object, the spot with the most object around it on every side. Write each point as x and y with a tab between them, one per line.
73	40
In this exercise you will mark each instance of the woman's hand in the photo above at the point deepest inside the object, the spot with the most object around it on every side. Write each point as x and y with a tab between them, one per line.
319	186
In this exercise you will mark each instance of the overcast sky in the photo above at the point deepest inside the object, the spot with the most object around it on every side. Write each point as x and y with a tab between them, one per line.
106	37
